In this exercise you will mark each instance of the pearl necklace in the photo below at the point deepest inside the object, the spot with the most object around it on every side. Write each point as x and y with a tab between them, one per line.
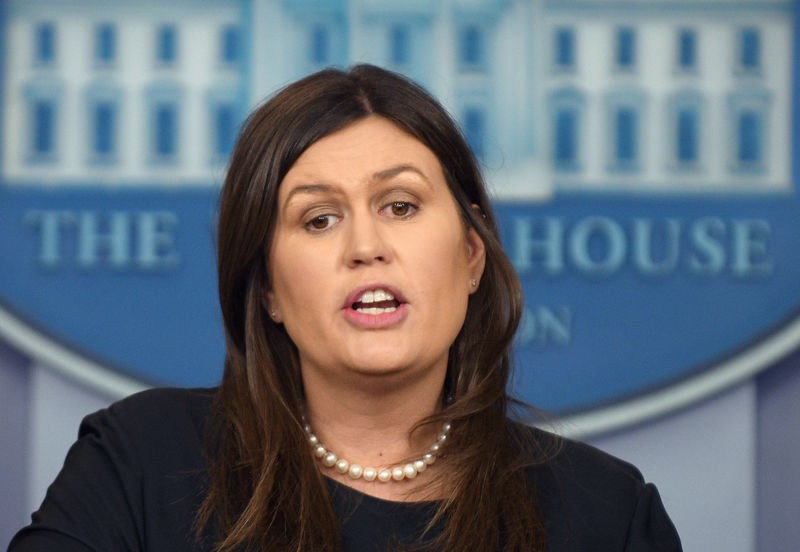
355	471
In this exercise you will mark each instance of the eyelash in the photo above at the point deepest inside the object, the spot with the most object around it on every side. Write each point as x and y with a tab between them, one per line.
411	210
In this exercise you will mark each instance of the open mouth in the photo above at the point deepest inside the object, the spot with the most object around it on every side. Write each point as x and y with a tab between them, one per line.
377	301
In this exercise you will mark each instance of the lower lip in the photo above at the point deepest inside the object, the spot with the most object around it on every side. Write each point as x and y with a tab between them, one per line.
376	321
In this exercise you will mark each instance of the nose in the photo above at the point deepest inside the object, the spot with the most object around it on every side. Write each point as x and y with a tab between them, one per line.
366	243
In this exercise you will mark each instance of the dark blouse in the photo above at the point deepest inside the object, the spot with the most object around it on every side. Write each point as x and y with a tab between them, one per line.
134	480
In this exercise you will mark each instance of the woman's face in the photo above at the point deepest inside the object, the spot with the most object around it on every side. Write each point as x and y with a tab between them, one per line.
371	264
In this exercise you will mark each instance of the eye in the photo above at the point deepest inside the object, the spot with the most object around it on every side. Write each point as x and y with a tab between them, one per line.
321	222
400	209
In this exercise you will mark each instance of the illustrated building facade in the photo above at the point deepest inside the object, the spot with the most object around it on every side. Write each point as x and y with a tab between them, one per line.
571	94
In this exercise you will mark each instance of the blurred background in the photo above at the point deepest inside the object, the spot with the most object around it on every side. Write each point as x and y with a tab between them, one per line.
640	154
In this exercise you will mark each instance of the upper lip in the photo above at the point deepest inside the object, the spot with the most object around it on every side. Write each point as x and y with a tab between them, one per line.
355	295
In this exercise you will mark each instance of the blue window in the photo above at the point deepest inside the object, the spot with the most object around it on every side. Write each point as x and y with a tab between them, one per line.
320	45
167	44
399	44
44	127
750	54
45	43
471	50
626	135
566	108
104	121
565	48
166	130
749	138
229	45
224	129
105	43
687	135
626	48
687	49
475	129
565	151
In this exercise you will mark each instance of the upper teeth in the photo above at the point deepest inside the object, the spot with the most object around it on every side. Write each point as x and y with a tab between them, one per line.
374	296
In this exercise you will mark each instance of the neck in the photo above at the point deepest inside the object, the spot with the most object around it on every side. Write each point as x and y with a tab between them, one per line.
368	420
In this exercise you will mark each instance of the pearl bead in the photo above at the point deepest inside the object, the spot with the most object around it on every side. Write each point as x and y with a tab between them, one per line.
396	473
329	459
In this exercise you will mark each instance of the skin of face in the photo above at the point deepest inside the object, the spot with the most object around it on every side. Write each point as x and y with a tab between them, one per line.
368	208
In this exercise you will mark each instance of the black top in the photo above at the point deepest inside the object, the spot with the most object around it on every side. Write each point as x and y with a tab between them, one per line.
135	477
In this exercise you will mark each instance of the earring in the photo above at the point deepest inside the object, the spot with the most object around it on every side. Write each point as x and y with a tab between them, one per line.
273	314
474	282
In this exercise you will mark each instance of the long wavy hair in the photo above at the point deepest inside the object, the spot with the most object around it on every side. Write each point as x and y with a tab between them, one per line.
265	490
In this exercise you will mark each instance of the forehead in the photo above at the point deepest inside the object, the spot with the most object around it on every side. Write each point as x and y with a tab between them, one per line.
359	150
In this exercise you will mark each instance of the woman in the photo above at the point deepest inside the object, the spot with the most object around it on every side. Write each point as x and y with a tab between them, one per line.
369	310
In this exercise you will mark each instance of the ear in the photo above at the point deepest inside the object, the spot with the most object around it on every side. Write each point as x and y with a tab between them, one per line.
476	258
271	306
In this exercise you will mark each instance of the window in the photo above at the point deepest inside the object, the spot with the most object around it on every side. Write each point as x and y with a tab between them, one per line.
472	55
626	136
566	113
687	136
105	43
166	130
104	126
164	101
564	51
750	49
624	108
684	131
565	150
626	48
320	45
749	138
475	129
229	45
687	49
399	45
166	44
42	115
44	44
224	120
44	128
749	116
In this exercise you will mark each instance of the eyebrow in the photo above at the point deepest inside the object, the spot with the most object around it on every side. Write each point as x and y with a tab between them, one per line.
307	189
394	171
382	175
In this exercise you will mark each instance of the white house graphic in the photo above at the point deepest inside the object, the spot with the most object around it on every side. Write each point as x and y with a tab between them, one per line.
630	95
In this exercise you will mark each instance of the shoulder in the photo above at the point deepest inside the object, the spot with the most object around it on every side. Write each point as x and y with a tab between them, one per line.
161	407
162	427
153	417
135	475
588	497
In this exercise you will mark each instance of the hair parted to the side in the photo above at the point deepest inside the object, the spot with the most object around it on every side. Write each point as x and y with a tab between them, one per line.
266	492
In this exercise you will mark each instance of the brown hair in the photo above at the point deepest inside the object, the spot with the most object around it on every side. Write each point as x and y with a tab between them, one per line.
266	492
